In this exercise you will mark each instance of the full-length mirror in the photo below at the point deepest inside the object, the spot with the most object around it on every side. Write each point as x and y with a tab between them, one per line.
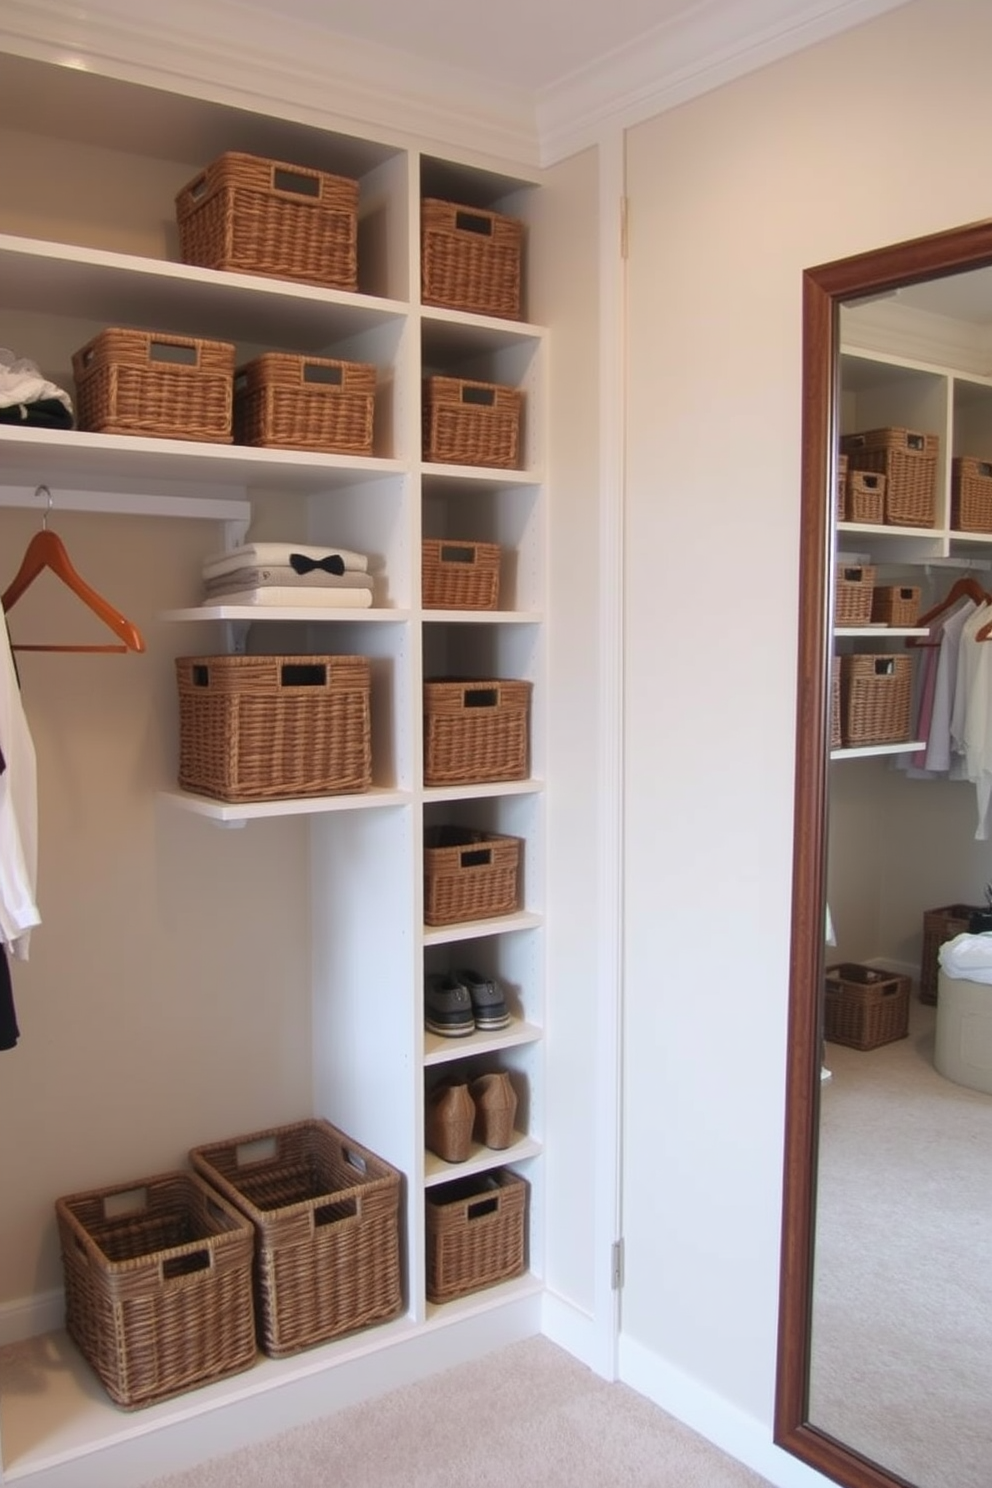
885	1339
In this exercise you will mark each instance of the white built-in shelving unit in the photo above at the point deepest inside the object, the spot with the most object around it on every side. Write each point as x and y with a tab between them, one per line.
373	1061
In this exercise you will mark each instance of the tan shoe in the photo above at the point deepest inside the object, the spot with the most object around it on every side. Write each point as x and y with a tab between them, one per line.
495	1107
449	1116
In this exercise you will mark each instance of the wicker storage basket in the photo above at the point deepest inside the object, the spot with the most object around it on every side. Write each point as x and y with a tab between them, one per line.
940	925
865	1007
258	216
852	594
469	875
169	387
895	604
476	1233
864	497
476	731
256	728
971	494
836	736
470	259
875	699
310	403
158	1286
458	575
908	460
471	423
325	1213
842	464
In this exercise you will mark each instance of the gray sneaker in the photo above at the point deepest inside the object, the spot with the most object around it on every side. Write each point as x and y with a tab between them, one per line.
447	1006
488	1002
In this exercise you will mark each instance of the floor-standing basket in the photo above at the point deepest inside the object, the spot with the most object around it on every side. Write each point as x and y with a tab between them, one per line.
469	874
256	728
865	1007
284	401
908	460
875	698
971	494
471	423
158	1285
940	925
325	1212
476	731
256	216
476	1233
470	259
155	384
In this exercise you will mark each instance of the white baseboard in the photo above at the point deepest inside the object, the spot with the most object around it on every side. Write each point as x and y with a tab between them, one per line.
577	1333
732	1430
29	1316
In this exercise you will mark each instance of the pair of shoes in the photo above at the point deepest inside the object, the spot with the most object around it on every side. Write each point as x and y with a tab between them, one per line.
458	1111
459	1002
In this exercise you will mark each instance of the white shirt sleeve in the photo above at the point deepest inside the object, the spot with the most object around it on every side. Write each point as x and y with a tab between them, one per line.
18	812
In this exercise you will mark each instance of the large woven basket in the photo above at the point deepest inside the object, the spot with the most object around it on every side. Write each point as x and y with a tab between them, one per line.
469	874
158	1285
476	731
875	699
940	925
908	460
164	386
476	1233
310	403
459	575
325	1213
971	494
865	1007
470	259
258	216
255	728
471	423
853	594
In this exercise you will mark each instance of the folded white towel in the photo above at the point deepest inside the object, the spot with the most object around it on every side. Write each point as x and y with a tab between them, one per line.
262	554
297	599
21	382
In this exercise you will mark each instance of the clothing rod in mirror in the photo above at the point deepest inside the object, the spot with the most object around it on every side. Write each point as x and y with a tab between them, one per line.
139	504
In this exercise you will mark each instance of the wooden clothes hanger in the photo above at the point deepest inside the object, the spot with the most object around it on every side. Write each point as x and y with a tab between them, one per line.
960	589
46	550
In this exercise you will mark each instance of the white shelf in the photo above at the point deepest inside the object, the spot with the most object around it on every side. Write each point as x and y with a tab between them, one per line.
440	1050
485	789
480	1160
483	617
311	613
245	811
476	929
843	631
481	476
866	751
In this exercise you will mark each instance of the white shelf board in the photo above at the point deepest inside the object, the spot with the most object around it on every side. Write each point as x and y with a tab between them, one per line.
480	475
439	1050
476	929
238	812
866	751
484	1300
485	789
283	612
483	617
480	1160
124	289
43	456
843	631
456	333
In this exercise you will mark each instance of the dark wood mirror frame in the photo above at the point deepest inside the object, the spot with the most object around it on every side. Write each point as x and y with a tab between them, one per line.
825	289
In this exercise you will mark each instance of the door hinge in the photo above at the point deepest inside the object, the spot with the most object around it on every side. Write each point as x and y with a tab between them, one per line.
616	1265
623	227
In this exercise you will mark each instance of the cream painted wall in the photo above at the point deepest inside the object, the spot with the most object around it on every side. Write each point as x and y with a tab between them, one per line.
874	136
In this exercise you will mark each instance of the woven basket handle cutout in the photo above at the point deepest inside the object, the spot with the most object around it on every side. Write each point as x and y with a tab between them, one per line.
854	575
196	188
474	222
870	482
984	468
314	372
125	1202
484	397
482	1207
480	697
336	1213
885	667
303	674
295	183
452	554
478	857
915	441
265	1149
187	1265
179	353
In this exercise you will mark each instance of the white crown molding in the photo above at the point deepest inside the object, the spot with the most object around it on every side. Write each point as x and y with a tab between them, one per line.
682	59
901	330
230	55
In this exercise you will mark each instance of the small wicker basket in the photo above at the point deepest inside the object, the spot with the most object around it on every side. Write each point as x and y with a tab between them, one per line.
940	925
908	460
257	728
852	595
476	731
459	575
476	1233
258	216
163	386
285	401
470	259
971	494
875	699
865	1007
471	423
158	1286
325	1213
469	874
896	604
864	497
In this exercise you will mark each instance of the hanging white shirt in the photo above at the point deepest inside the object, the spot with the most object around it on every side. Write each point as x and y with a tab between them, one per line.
18	812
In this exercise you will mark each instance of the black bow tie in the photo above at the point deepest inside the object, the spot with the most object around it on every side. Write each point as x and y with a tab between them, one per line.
301	564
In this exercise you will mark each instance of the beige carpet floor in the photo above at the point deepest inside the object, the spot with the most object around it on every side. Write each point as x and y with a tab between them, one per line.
526	1416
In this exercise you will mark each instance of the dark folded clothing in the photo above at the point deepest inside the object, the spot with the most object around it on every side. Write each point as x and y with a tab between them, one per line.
45	413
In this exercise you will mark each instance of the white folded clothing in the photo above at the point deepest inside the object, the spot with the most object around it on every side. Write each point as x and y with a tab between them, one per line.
281	574
263	553
967	958
297	599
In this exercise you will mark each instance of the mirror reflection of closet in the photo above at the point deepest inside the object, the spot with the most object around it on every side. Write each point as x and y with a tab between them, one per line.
886	1319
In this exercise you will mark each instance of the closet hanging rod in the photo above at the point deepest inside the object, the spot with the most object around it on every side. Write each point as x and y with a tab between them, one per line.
139	504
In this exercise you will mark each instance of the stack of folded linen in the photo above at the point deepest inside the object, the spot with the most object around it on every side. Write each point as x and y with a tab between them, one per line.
289	574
